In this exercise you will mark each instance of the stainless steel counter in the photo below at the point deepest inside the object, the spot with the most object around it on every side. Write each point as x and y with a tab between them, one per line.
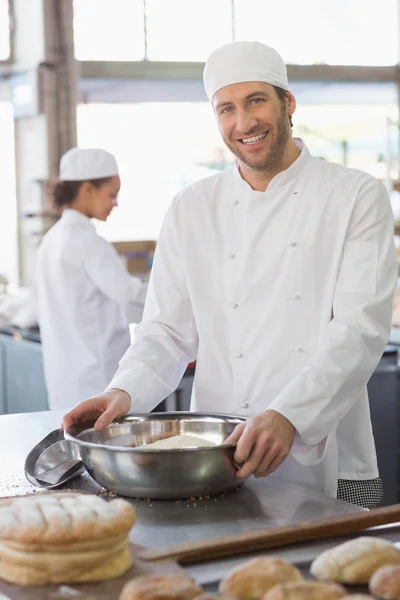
259	503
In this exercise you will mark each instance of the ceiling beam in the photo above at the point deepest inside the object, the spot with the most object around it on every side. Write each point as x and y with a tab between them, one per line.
194	70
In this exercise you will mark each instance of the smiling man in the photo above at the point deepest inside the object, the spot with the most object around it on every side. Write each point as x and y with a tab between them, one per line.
277	275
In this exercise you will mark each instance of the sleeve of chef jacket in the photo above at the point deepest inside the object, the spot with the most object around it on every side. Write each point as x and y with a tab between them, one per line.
166	340
354	341
104	267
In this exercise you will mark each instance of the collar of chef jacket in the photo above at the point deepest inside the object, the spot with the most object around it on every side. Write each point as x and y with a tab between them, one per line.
283	177
69	215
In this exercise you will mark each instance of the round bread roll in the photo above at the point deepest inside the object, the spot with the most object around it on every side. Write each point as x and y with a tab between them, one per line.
160	587
250	580
355	561
305	590
385	582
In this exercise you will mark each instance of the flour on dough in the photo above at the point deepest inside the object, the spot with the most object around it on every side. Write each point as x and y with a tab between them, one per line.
180	442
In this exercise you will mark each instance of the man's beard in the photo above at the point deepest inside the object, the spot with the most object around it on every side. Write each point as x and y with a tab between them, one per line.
276	151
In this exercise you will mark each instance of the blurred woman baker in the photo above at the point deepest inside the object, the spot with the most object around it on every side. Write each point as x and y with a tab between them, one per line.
86	298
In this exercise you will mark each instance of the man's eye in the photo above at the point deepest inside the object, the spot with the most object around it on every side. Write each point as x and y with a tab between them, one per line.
257	100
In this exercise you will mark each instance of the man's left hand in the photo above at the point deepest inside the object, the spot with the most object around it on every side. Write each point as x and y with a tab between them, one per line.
263	443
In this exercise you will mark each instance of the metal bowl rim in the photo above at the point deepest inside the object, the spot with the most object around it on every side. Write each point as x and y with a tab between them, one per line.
69	433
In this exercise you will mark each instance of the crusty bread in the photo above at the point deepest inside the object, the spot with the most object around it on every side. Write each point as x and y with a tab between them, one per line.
305	590
160	587
355	561
61	518
37	547
385	582
251	579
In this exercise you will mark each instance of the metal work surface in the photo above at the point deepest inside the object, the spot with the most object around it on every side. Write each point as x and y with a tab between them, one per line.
258	504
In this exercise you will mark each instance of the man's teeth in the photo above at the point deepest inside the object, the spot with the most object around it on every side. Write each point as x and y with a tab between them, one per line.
253	140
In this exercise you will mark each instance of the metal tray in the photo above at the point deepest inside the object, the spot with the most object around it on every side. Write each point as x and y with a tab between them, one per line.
48	454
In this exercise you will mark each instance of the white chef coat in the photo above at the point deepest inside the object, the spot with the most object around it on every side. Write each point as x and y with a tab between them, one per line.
284	297
86	299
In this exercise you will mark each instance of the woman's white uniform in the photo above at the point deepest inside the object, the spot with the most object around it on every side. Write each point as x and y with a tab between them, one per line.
86	300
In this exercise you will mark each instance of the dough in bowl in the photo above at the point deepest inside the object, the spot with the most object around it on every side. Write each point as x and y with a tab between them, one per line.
354	561
160	587
251	579
178	442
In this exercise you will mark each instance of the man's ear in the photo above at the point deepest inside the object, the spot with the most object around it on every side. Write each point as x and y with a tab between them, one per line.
290	103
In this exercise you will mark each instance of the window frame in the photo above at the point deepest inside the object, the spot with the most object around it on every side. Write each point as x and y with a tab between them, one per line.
11	35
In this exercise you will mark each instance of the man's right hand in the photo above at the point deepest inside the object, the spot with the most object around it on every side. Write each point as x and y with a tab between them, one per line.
104	408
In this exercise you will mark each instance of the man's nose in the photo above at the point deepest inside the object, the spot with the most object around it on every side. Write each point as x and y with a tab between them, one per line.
245	121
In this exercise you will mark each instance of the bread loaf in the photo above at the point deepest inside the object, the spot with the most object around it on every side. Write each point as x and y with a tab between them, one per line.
160	587
305	590
385	582
63	537
251	579
355	561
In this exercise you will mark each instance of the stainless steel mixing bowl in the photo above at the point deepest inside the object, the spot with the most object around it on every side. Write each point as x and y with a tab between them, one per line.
113	460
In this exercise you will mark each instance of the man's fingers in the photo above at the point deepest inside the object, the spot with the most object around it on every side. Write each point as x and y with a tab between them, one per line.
235	435
245	444
257	453
272	453
85	411
107	417
273	466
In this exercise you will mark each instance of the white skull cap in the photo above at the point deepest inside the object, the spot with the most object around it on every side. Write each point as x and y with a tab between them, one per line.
243	61
84	164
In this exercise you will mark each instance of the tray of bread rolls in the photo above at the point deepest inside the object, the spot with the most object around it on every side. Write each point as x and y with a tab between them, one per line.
364	567
74	545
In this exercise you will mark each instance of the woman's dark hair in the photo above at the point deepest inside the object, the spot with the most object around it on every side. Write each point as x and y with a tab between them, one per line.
65	192
281	93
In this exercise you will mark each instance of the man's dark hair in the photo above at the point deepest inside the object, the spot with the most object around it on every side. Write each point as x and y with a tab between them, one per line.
282	95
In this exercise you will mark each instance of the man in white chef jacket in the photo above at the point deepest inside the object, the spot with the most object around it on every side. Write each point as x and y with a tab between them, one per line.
277	275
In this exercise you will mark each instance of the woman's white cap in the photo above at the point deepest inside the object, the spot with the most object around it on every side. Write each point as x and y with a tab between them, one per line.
83	164
244	61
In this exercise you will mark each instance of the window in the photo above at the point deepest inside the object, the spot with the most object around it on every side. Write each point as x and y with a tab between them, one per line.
8	221
4	30
179	30
350	133
342	32
109	30
160	147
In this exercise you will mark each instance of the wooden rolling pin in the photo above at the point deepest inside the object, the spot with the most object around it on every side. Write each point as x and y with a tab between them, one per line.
273	537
